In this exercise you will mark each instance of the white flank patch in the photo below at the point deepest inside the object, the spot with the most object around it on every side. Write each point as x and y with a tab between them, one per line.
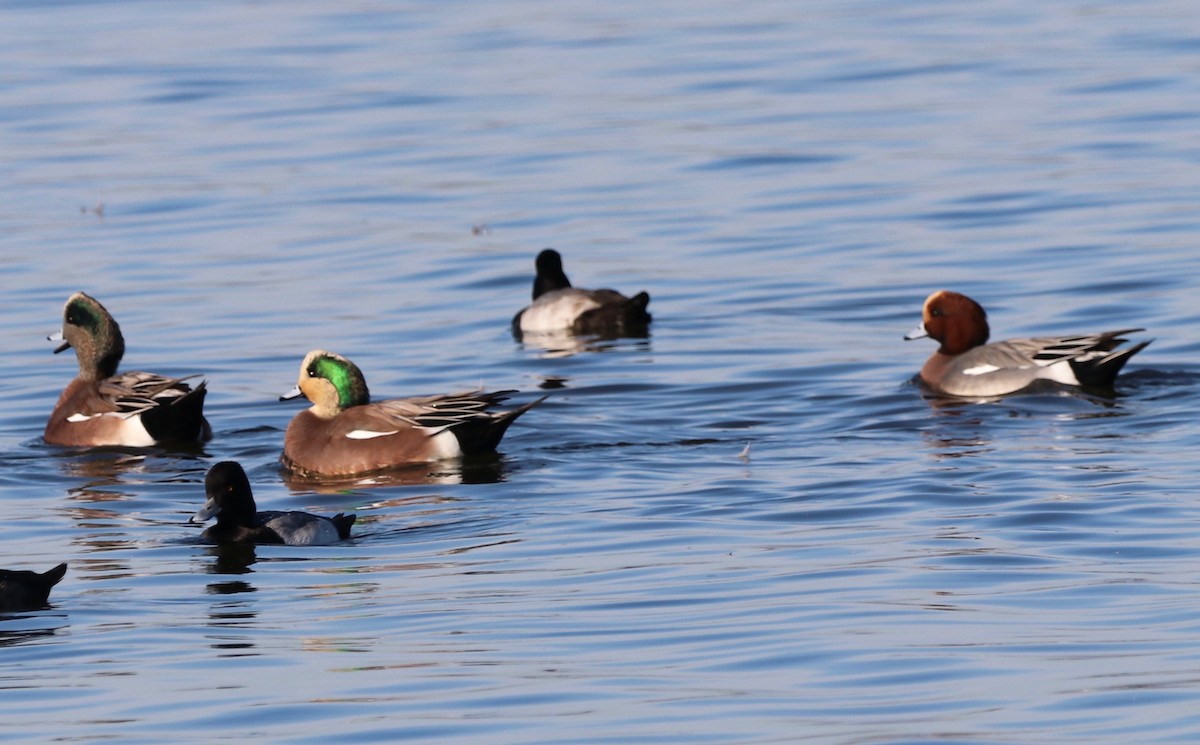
445	444
366	434
134	433
1059	372
980	370
555	311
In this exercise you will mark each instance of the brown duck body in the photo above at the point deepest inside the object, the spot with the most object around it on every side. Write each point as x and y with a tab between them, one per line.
346	434
132	409
103	407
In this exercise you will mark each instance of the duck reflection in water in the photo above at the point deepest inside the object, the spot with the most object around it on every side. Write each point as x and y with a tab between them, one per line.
231	614
231	558
557	344
106	472
484	468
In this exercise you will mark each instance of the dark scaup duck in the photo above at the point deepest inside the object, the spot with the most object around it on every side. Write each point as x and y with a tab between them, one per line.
344	433
559	307
966	365
103	407
23	590
239	521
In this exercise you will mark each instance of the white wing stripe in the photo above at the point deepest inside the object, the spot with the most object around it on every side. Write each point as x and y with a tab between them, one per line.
983	369
366	434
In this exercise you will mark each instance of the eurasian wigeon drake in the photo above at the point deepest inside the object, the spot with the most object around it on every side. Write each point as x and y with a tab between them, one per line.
559	307
103	407
23	590
966	365
344	433
230	500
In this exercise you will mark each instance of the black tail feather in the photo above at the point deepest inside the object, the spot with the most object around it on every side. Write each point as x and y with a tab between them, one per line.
482	435
55	575
625	317
24	590
1101	372
179	419
342	522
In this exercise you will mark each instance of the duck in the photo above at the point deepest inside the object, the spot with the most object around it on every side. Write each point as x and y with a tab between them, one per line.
25	590
230	499
558	307
102	407
345	434
966	365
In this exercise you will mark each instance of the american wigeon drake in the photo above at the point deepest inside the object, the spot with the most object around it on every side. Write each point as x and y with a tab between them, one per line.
558	307
104	407
23	590
231	501
966	365
344	433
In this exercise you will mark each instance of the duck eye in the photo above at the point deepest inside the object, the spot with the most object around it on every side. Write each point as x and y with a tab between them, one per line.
936	312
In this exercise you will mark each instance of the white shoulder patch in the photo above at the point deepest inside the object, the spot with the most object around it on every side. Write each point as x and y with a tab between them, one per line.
980	370
366	434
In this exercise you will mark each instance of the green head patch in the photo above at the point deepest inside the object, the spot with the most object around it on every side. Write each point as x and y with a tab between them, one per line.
345	376
97	339
82	312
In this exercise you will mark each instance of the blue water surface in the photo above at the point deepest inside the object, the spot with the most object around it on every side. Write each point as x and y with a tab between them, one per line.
749	527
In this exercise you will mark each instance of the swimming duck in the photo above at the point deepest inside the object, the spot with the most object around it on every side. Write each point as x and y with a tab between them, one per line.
557	306
230	500
104	407
344	433
23	590
966	365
